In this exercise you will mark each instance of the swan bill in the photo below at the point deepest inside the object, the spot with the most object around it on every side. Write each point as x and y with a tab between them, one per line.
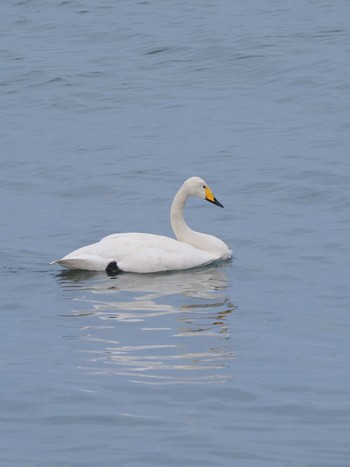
211	198
215	201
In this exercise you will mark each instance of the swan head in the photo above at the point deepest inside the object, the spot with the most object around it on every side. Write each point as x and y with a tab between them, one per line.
196	186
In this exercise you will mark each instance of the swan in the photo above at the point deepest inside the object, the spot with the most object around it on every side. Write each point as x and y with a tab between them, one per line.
147	253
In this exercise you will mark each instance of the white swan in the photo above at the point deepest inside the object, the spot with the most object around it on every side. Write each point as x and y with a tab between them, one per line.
145	253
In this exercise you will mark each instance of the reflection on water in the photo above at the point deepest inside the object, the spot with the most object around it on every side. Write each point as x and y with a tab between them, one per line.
155	328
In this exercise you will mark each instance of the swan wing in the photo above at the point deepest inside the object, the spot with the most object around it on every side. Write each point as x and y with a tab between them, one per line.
135	252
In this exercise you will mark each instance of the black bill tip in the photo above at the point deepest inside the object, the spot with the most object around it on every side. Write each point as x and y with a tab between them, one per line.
215	201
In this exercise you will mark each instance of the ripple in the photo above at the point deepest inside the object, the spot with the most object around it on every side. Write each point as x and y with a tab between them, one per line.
163	329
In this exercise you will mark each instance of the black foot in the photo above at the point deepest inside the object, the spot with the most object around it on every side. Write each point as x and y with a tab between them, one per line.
112	269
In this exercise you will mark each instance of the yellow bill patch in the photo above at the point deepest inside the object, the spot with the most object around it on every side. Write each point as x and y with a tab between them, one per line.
208	194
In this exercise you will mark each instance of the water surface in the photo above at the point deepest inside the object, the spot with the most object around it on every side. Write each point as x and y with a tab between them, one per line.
106	110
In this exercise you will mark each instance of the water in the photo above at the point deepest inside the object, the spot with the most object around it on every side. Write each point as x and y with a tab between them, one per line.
106	108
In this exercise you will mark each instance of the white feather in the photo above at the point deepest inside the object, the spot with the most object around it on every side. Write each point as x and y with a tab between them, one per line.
145	253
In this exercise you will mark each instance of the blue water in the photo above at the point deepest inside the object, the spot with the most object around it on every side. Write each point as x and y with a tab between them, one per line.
107	107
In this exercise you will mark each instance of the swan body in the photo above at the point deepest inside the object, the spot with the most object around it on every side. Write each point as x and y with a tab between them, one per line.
146	253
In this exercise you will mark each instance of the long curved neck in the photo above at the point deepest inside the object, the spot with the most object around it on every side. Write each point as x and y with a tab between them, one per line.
180	228
183	233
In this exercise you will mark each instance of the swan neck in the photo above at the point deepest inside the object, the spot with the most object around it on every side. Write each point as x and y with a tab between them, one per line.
183	233
178	223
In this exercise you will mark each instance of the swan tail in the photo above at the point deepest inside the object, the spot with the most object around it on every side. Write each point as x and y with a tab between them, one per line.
84	262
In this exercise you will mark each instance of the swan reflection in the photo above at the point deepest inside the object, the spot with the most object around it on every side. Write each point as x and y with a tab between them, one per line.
154	328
